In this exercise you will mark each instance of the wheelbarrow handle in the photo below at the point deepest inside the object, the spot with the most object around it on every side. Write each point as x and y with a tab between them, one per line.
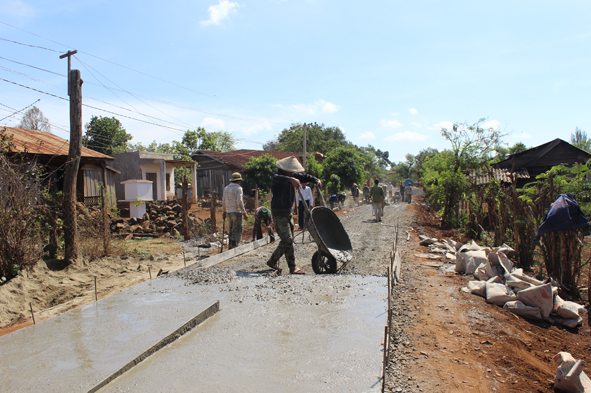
322	198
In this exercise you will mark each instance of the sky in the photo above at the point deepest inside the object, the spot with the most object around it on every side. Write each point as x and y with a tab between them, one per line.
390	74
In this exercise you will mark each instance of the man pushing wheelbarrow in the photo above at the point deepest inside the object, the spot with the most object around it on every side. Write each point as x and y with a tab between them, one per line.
285	181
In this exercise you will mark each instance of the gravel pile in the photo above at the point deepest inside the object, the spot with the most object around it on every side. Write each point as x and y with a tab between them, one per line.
205	276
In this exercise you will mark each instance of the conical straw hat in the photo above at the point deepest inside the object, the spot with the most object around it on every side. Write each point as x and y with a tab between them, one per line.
290	164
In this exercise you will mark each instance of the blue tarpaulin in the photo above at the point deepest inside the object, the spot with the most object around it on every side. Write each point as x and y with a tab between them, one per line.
564	215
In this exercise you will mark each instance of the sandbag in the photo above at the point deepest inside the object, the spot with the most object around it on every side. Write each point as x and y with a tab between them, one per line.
498	294
566	309
505	262
515	282
477	288
472	246
493	258
570	376
508	251
484	271
474	259
461	262
518	308
539	296
526	278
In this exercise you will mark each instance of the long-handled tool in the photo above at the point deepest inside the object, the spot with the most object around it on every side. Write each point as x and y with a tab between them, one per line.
223	230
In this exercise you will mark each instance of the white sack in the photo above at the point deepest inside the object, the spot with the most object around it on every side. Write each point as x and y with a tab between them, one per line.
470	247
498	294
515	282
477	288
493	258
566	309
505	262
540	296
508	251
473	260
570	376
518	308
527	278
461	262
484	271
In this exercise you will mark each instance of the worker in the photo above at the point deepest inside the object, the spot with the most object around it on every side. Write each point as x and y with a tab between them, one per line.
308	202
233	207
366	192
390	191
262	214
377	196
402	190
355	194
285	181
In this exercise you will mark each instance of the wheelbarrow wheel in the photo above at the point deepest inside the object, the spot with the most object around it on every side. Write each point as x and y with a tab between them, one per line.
323	263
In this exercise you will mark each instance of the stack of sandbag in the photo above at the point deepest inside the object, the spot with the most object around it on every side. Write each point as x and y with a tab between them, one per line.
501	284
442	247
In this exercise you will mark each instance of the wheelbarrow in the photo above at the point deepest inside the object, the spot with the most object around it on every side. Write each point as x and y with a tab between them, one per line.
330	236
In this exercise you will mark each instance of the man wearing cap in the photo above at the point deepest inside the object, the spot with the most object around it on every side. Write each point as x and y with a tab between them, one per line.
262	214
285	181
233	207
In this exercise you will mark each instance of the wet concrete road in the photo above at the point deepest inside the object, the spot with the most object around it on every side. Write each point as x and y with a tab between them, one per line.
288	333
281	334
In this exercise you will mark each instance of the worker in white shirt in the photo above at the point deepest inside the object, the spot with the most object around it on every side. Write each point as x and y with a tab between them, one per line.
233	205
308	199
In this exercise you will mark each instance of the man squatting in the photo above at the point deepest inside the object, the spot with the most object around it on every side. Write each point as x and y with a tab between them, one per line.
288	177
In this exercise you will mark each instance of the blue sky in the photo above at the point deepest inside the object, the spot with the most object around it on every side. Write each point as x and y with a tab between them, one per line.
389	73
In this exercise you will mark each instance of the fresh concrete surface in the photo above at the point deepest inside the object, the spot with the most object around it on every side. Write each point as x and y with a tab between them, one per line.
287	333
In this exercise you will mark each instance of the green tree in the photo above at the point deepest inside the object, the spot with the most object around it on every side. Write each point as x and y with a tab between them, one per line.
218	141
33	119
313	167
518	147
318	138
334	184
105	135
260	172
345	162
579	139
471	145
371	162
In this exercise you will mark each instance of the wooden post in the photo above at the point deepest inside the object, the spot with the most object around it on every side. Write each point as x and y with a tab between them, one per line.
32	315
106	235
71	171
95	291
185	209
214	198
256	197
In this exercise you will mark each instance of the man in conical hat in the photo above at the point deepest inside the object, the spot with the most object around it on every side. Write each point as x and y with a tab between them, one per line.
285	181
233	207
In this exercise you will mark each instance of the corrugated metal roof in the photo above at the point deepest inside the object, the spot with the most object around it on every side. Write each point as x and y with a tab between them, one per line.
40	142
500	174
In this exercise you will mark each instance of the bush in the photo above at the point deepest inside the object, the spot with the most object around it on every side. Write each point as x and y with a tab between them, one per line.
21	243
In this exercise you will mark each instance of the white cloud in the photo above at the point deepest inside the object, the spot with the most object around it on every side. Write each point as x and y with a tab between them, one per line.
444	124
320	106
416	124
390	123
367	135
433	145
395	114
407	136
213	124
17	8
413	111
342	129
494	124
217	13
264	126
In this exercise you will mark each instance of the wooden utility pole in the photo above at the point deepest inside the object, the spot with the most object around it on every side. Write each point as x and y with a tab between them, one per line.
72	165
304	157
185	209
214	198
69	55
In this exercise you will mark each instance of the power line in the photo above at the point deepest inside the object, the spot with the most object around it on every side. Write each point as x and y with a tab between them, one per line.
32	46
17	111
130	69
37	68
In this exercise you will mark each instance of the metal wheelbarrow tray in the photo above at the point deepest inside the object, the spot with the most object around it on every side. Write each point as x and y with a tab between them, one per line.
331	238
